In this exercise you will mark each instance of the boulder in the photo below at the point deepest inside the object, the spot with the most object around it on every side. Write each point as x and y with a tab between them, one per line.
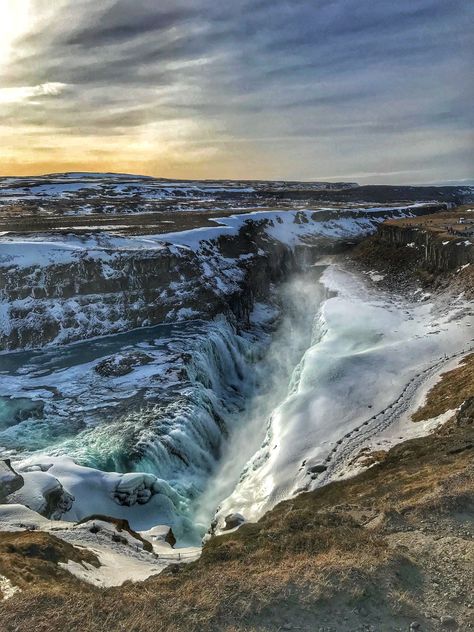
317	469
233	520
10	481
121	364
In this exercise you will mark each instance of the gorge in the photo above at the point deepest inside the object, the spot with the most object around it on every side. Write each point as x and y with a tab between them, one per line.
163	377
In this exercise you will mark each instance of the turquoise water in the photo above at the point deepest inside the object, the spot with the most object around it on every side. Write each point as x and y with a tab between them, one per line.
174	416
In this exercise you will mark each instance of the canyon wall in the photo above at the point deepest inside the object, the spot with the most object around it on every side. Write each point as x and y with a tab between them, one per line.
435	253
63	288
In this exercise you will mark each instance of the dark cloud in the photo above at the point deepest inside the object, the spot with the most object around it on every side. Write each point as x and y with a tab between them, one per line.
119	24
255	69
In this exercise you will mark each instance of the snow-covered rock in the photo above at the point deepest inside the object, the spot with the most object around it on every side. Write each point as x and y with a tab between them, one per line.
10	481
43	493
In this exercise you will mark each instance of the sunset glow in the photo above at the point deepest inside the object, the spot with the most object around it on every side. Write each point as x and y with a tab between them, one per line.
306	90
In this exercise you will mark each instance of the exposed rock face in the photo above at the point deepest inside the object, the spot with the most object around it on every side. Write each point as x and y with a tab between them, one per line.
233	520
87	298
433	252
105	288
10	481
57	502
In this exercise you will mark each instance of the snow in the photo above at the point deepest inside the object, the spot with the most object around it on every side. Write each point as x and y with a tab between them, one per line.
124	560
376	276
366	348
58	249
37	486
7	589
121	555
157	422
33	262
107	186
98	492
403	427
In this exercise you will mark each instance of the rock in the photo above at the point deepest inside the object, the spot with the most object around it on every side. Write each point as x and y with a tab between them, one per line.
169	538
448	622
317	469
120	539
121	364
233	520
414	626
10	481
58	502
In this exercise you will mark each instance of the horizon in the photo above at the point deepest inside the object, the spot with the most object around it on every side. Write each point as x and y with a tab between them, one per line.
449	183
240	91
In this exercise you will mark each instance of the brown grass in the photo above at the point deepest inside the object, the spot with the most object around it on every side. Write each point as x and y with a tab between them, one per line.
438	223
308	560
450	392
31	557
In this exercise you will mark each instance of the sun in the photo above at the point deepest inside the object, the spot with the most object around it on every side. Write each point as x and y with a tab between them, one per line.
14	20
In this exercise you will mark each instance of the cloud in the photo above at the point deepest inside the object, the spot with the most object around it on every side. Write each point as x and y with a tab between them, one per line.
279	88
27	93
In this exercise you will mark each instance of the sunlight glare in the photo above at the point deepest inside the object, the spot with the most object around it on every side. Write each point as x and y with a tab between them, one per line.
14	20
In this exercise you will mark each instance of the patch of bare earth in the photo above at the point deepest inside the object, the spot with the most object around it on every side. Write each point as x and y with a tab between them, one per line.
29	559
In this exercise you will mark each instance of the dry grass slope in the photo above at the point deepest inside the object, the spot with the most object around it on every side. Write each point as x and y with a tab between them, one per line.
450	392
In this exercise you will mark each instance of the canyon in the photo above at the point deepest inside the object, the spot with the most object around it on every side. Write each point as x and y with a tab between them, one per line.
186	382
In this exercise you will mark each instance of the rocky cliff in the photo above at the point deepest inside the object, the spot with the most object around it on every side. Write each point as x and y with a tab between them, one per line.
69	287
92	296
435	253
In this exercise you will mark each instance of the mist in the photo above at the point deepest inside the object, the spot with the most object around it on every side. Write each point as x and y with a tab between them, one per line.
298	300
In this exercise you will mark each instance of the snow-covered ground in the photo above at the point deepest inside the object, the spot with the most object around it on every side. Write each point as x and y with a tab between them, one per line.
53	282
121	556
111	187
286	226
371	357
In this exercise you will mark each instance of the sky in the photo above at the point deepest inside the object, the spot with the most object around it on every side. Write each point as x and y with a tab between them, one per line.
363	90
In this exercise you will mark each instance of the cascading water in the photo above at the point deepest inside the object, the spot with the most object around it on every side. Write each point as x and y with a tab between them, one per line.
299	300
164	425
191	412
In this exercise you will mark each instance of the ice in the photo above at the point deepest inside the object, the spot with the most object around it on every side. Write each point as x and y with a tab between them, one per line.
97	492
366	347
149	444
38	488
